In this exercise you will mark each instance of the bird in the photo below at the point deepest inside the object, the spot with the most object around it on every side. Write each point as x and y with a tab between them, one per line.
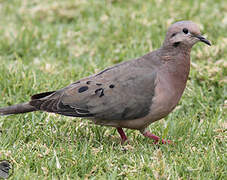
132	94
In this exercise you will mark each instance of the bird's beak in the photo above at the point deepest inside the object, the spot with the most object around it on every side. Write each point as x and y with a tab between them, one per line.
203	39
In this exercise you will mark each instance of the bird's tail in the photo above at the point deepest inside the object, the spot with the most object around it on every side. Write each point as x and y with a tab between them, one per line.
17	109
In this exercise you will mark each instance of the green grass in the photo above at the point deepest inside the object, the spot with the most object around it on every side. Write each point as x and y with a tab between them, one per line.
46	45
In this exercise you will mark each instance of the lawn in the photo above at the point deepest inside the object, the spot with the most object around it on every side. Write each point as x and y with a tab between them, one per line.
46	45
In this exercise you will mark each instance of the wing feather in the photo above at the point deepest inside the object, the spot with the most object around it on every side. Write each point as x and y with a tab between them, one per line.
114	94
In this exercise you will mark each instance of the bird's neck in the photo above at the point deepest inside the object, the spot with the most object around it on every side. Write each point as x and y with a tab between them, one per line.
181	50
177	62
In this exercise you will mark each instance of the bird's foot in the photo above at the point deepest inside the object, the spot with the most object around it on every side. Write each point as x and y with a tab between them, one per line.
122	134
156	138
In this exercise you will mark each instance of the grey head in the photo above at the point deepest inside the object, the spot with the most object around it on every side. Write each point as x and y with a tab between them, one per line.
183	34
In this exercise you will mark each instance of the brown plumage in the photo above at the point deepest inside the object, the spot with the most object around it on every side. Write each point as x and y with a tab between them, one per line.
132	94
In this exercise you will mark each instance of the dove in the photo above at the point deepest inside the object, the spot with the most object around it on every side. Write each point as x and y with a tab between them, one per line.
132	94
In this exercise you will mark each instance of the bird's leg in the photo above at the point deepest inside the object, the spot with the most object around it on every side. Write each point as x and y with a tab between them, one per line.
148	134
122	134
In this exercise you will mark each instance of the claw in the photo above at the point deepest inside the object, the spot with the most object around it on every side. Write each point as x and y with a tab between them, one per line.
156	138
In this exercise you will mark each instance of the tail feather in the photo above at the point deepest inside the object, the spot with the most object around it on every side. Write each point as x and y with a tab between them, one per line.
17	109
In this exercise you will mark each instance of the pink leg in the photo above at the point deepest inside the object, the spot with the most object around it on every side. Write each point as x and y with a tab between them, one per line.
156	138
122	134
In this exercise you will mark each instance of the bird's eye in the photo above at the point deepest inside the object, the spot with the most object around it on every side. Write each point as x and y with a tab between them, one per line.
185	30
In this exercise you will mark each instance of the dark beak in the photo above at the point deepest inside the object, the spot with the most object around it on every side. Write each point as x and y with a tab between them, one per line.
201	38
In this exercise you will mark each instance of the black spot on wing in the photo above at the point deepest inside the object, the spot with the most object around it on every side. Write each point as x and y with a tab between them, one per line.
99	92
98	84
88	82
82	89
111	86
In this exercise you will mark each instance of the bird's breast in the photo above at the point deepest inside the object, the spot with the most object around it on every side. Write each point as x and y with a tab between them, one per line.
168	92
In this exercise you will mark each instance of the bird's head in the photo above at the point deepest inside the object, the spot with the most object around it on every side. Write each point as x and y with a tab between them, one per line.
184	34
